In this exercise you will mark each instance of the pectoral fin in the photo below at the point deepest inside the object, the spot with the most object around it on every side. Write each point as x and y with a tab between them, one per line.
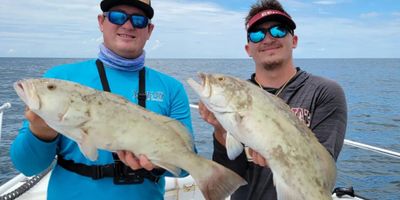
88	149
234	148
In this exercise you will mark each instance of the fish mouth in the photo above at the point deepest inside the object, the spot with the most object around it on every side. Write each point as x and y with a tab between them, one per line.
200	88
203	78
27	93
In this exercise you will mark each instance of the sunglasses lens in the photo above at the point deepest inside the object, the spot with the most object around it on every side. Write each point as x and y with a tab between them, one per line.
117	17
139	21
256	36
278	31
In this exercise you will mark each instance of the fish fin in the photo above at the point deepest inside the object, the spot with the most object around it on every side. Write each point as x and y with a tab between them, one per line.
75	117
88	149
283	191
234	148
215	181
171	168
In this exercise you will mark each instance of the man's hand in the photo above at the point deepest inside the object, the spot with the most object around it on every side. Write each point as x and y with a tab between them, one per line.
39	127
129	159
258	158
208	116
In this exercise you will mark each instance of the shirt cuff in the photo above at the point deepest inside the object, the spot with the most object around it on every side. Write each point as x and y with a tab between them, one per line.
35	139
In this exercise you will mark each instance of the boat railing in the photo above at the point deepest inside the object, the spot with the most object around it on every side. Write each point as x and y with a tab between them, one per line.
2	108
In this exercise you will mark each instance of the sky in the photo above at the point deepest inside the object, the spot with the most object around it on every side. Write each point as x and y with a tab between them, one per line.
202	28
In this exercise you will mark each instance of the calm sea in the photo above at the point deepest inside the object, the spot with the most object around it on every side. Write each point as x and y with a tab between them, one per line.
372	87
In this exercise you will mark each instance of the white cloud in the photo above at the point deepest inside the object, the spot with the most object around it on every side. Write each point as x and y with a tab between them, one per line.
197	30
396	14
327	2
345	38
188	29
68	28
98	40
155	45
369	15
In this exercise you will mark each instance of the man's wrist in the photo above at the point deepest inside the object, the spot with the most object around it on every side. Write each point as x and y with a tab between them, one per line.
220	135
50	137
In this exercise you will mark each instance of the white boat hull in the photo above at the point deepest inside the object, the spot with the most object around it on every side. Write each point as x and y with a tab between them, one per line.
176	188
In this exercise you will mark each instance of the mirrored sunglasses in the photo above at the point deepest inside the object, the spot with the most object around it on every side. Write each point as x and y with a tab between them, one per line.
120	18
258	34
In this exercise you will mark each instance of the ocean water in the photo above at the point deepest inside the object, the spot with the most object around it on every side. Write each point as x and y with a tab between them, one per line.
372	88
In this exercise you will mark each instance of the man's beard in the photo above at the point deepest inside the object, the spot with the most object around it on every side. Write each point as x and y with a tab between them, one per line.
273	64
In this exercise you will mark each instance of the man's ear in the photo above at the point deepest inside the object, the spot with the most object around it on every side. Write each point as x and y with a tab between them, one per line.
247	48
100	19
295	41
150	29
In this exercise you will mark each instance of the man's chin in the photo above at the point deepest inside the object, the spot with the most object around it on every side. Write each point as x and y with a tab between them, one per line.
272	64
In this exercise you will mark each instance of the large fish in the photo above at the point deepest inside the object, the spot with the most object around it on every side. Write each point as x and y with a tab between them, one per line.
101	120
302	168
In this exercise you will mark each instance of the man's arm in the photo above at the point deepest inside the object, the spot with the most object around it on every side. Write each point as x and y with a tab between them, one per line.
31	154
329	119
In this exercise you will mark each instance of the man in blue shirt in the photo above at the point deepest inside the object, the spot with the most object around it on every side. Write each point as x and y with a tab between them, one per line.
126	26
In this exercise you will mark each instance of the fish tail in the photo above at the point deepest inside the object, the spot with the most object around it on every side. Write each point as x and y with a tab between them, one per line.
216	182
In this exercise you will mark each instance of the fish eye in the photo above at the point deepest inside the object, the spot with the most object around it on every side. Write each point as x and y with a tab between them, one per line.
51	87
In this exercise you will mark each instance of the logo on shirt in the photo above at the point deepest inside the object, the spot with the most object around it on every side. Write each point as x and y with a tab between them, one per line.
153	96
303	114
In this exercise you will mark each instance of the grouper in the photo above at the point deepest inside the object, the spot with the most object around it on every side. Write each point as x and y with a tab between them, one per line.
302	168
101	120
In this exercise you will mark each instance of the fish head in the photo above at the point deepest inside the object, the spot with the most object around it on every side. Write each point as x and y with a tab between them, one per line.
221	93
51	99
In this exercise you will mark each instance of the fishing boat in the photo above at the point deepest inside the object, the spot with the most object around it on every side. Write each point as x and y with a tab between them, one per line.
35	187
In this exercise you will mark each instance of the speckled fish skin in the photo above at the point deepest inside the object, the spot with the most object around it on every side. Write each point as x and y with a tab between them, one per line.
302	168
101	120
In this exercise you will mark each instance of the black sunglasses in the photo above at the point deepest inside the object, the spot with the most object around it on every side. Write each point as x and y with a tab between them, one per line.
120	18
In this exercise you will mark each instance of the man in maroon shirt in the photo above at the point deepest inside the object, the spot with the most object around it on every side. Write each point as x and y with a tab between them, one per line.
317	101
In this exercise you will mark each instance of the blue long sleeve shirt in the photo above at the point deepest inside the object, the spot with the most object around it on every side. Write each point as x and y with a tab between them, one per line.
30	155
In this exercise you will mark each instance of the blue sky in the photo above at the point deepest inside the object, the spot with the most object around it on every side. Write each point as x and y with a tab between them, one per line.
202	28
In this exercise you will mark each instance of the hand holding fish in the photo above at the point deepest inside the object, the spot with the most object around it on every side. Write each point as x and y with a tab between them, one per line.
39	127
130	159
220	133
258	158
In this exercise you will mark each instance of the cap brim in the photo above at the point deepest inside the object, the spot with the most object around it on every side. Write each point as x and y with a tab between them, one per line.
106	5
278	18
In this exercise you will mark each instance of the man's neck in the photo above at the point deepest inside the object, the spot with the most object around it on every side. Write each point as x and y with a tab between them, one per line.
276	77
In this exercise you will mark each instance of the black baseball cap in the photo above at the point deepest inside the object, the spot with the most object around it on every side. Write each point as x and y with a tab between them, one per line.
144	5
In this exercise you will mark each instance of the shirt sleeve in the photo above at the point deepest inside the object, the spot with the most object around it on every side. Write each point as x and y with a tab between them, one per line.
329	119
29	154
